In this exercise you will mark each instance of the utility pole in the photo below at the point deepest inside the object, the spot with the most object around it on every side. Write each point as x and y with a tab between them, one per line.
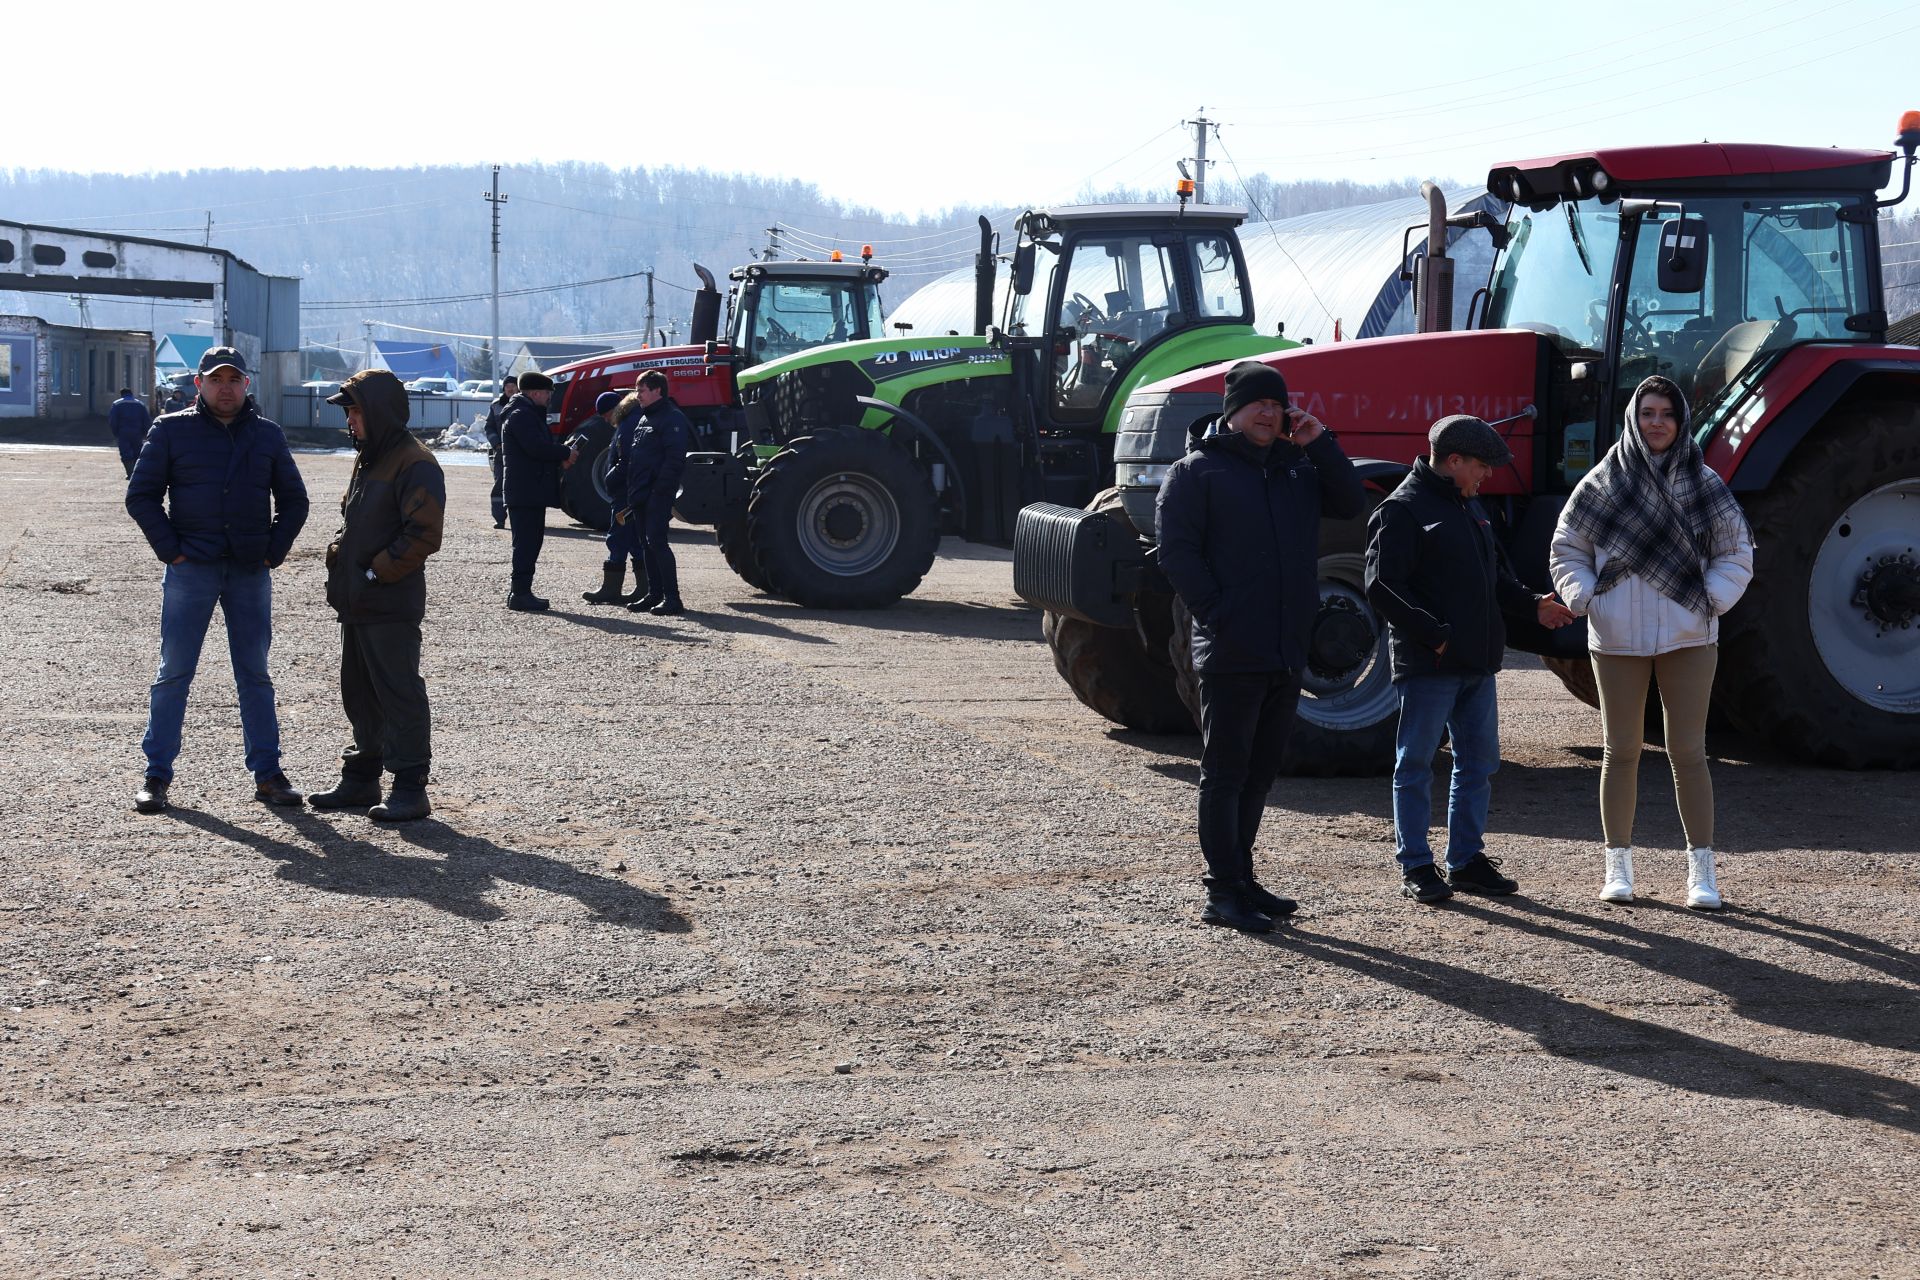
367	327
208	240
1200	124
649	299
495	199
773	245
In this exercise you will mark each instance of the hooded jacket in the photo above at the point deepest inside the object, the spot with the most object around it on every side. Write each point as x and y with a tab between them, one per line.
1240	541
1436	574
530	457
392	514
211	491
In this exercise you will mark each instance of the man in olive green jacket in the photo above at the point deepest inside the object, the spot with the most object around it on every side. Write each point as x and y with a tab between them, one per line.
394	510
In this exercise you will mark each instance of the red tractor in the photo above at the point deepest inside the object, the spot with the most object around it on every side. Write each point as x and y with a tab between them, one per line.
1748	274
777	309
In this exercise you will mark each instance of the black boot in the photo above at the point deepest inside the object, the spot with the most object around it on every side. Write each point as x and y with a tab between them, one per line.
526	602
151	797
669	607
639	591
407	802
354	791
613	580
645	604
1227	906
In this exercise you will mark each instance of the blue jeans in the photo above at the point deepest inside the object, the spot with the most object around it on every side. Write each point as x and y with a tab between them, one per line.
1464	708
188	595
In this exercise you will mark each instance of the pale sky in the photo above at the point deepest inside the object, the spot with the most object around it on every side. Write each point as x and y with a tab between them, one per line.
918	107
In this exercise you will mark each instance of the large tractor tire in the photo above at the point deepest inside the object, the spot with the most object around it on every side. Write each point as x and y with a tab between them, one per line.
1348	708
1822	656
1125	675
737	549
583	486
843	519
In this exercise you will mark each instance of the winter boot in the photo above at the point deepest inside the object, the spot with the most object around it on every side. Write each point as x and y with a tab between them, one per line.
354	791
639	591
645	604
1619	885
668	607
613	580
1703	891
407	802
1227	906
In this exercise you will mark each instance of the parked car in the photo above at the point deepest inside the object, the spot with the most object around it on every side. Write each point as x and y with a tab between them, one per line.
435	386
479	387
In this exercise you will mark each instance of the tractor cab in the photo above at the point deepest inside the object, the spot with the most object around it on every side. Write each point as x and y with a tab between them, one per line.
1702	263
1096	287
782	308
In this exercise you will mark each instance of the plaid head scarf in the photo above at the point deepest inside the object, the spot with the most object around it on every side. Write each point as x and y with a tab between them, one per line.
1657	515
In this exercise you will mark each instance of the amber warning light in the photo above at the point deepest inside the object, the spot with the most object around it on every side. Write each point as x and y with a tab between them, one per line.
1185	188
836	255
866	253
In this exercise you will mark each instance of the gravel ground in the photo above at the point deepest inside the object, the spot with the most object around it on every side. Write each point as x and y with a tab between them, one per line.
769	942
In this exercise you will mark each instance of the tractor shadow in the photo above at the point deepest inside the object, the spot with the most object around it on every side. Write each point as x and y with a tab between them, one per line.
454	873
1632	1047
960	619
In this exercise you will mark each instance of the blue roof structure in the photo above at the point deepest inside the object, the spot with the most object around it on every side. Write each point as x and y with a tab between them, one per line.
181	350
410	359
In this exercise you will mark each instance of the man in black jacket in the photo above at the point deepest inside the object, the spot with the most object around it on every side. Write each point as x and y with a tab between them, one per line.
496	500
655	462
1239	538
220	501
393	514
1437	575
530	482
129	421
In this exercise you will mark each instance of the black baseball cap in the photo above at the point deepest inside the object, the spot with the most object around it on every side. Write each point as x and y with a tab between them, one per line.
228	356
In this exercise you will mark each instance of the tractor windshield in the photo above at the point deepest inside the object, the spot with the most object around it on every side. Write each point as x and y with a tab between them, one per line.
1554	275
784	317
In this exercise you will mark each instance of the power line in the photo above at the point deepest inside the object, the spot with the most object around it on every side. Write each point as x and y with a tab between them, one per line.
1275	233
466	297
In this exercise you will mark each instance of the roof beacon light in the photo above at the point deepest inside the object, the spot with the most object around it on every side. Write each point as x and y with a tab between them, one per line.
836	256
1185	188
866	253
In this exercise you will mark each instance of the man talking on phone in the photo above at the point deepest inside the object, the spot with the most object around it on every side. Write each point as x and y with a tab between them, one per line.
1239	533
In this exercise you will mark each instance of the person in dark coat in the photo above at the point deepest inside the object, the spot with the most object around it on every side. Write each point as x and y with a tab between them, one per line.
622	413
496	500
176	400
1436	574
217	494
129	420
530	481
392	518
655	464
1239	539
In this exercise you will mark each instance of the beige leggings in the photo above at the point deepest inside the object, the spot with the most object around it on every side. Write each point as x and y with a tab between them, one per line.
1686	685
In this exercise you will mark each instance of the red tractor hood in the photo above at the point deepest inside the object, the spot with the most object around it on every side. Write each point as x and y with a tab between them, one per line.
1382	394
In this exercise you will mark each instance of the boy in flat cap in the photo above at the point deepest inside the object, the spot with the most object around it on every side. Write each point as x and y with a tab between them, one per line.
1437	575
1239	522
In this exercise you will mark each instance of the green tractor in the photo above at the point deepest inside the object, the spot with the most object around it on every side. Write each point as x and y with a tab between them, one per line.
858	457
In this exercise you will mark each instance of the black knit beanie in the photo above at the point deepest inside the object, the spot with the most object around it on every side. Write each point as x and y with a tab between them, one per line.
1249	381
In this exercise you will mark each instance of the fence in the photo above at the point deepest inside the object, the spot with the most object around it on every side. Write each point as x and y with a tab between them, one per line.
307	407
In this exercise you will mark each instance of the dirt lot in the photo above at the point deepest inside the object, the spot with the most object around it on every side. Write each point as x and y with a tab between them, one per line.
767	942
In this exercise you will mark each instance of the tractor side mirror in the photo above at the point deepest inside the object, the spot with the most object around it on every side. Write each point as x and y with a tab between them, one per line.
1683	255
1023	269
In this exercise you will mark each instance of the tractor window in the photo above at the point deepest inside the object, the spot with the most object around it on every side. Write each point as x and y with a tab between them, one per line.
1118	296
792	316
1216	278
1554	276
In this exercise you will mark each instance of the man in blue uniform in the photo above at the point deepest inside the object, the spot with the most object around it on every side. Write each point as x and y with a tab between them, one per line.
129	420
530	480
217	494
655	464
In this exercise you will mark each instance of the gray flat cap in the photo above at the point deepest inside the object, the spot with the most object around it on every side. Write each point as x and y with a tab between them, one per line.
1465	434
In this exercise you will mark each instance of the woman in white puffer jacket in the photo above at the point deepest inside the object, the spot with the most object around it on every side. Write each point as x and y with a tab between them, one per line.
1653	548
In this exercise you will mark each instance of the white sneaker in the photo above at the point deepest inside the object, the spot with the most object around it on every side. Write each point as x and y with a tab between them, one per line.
1703	893
1619	885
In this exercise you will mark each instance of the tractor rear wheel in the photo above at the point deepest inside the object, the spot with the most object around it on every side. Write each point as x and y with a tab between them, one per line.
843	519
1822	656
1124	674
737	548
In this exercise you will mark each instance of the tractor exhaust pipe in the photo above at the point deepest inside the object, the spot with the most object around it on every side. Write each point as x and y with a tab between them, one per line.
1433	279
705	326
983	281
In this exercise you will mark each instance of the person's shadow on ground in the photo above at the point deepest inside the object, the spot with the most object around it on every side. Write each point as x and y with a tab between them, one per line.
1614	1042
455	878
